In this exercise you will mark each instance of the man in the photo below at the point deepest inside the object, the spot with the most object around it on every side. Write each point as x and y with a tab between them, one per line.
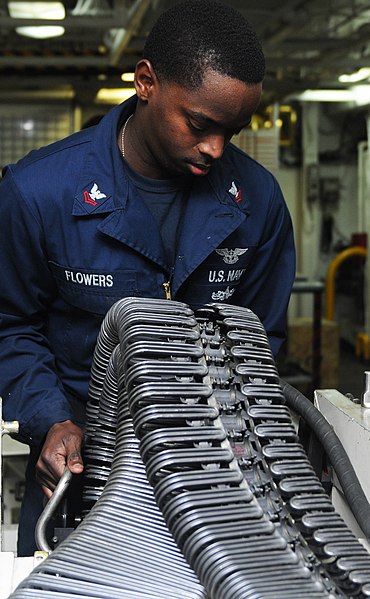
151	202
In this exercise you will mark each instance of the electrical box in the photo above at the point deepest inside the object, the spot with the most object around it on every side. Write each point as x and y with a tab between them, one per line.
329	191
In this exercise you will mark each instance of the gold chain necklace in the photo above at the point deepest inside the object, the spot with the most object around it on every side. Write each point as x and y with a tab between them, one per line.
123	136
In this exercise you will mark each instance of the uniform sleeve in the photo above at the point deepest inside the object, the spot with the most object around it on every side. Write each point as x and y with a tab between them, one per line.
29	385
266	286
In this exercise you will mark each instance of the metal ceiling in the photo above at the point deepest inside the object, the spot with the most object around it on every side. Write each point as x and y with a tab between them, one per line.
308	43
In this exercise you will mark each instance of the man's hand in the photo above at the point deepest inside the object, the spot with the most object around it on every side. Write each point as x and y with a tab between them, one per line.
62	448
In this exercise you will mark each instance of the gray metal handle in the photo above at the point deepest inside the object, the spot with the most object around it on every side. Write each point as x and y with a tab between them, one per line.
50	508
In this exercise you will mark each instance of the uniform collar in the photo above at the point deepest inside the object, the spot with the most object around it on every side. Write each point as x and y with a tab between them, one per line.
102	187
225	180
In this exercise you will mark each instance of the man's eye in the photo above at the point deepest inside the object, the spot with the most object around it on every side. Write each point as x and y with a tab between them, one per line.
195	127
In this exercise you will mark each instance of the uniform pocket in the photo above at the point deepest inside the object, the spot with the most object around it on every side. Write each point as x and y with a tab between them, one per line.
217	278
92	290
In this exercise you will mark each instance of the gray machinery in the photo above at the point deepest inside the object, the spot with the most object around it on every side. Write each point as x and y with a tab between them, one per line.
196	483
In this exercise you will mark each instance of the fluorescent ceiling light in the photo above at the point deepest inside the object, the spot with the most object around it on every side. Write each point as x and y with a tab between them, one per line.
114	95
326	95
359	75
37	10
361	94
43	32
357	94
128	76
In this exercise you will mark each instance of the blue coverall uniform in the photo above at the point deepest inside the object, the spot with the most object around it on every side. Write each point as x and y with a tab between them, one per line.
75	238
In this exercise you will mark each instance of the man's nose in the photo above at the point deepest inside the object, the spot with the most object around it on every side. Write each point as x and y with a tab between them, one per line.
212	146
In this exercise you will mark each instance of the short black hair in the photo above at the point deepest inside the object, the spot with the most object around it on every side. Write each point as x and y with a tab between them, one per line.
196	35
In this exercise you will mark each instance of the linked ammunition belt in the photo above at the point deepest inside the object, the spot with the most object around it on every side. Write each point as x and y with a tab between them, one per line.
196	483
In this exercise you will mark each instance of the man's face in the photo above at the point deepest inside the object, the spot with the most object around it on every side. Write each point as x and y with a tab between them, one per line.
187	130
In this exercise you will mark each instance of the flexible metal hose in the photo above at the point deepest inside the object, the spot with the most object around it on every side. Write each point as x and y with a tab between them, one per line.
336	453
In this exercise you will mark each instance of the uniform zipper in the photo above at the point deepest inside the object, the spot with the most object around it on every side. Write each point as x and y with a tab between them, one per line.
167	290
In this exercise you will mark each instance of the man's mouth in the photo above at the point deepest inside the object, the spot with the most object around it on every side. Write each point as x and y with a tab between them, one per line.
199	169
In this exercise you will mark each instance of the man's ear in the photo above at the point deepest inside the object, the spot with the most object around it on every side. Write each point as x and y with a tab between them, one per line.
145	79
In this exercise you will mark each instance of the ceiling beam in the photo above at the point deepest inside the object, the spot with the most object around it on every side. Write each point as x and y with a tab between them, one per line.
70	22
54	61
133	25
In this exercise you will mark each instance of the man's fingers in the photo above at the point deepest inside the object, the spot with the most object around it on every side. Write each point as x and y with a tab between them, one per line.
48	472
62	448
47	482
75	462
47	491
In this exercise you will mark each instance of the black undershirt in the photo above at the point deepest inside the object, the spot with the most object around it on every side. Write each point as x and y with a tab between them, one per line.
166	199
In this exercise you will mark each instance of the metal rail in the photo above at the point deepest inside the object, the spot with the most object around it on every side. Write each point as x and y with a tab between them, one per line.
331	272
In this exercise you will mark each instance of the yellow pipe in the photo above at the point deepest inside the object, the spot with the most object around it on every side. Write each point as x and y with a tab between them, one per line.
331	272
